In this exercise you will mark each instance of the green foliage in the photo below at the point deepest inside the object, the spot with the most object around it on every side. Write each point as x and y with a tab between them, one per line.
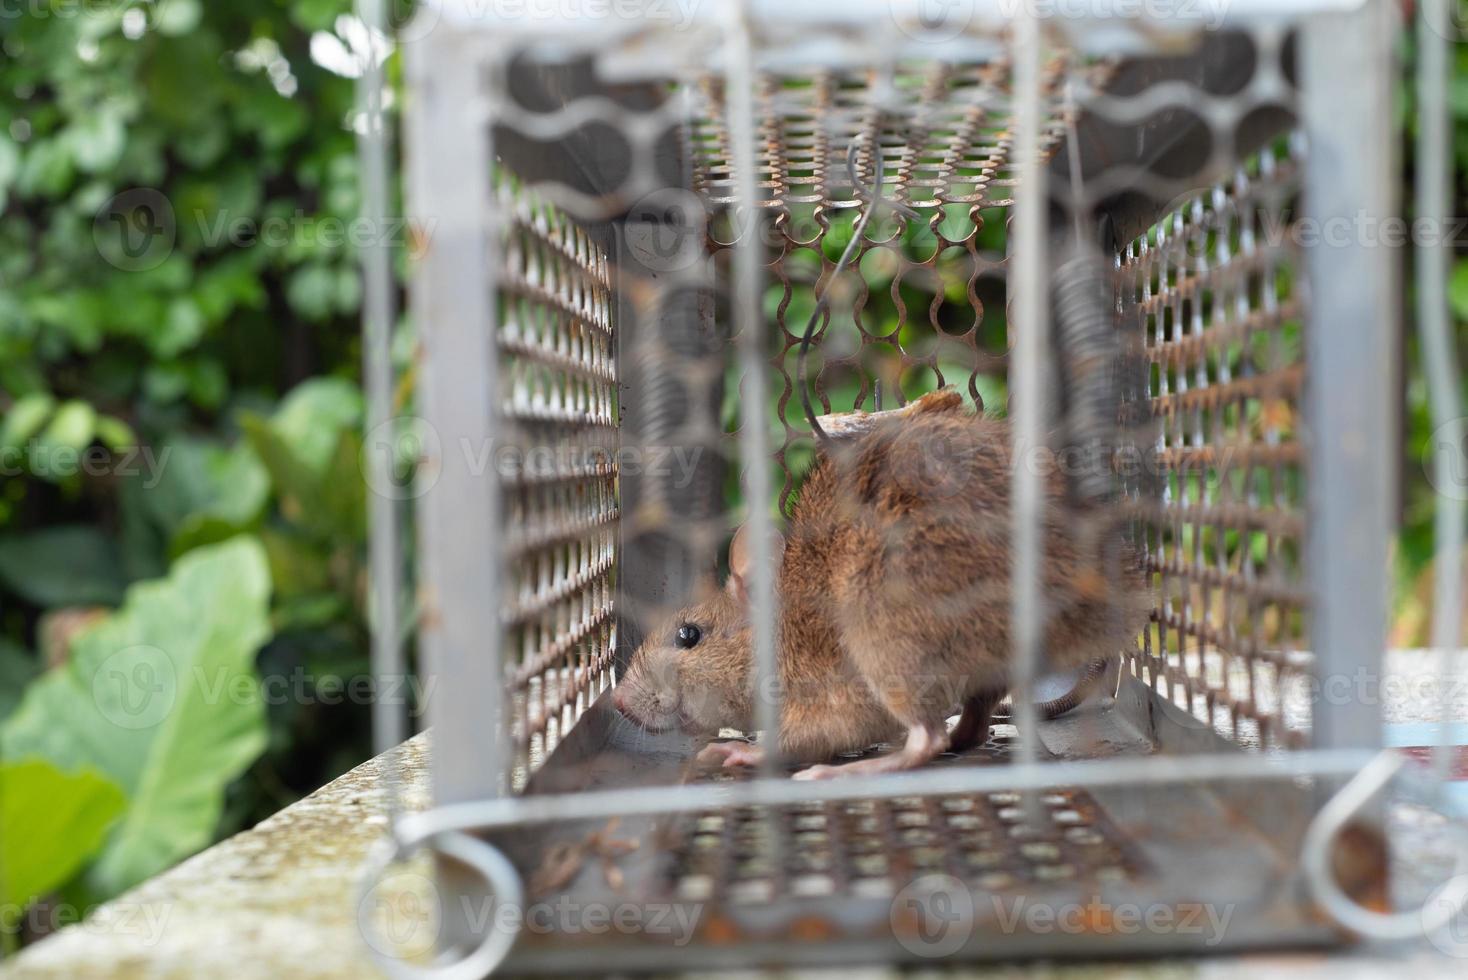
218	112
65	565
51	822
17	669
1458	289
162	697
139	386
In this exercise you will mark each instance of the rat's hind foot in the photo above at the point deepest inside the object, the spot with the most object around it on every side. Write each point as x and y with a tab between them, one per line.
923	745
973	725
731	754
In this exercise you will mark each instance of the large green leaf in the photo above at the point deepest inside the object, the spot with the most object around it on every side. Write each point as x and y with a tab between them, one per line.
162	697
18	666
329	500
51	822
201	485
67	565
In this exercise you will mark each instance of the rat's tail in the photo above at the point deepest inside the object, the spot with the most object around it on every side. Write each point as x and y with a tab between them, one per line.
1086	685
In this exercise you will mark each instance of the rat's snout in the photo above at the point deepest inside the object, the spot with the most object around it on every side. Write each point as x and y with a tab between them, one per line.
648	692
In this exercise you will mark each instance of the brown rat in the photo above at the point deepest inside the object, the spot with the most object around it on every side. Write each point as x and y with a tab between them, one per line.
894	600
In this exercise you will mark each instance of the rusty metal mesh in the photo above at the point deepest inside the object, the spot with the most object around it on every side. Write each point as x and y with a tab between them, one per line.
922	304
557	470
872	848
1214	293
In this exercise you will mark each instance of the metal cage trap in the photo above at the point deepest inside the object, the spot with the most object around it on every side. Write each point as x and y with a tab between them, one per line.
1099	227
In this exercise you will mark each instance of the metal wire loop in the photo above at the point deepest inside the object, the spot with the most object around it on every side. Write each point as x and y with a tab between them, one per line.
502	882
1442	908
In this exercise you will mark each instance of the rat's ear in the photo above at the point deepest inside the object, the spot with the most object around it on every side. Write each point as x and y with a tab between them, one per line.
741	560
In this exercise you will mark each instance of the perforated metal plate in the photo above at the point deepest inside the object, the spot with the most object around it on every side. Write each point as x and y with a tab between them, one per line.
1214	292
874	848
558	471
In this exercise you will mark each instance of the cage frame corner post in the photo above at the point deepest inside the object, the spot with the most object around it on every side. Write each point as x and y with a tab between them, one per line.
1351	353
458	509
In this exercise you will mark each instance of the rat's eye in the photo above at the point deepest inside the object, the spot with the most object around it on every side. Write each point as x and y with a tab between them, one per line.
688	636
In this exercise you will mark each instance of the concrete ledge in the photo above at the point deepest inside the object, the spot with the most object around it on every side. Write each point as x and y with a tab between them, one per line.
280	900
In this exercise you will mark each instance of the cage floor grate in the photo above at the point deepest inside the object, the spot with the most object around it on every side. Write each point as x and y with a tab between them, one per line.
872	848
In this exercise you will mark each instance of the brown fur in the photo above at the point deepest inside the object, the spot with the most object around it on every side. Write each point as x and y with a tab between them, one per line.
894	596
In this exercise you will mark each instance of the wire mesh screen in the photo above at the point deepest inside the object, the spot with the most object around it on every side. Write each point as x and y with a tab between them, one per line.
873	848
1214	292
922	304
557	466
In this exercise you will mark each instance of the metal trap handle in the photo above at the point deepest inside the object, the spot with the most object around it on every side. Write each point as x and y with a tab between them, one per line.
495	941
1440	909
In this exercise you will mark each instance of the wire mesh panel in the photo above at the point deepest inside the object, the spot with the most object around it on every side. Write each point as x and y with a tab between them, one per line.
873	848
557	466
923	303
1215	292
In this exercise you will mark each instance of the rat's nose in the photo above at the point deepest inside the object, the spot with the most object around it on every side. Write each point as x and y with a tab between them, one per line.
619	700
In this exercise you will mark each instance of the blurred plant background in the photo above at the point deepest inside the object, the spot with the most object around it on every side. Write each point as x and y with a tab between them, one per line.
235	540
215	392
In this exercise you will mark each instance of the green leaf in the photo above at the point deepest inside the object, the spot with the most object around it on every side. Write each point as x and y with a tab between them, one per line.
162	697
65	565
348	290
200	481
312	291
25	418
297	486
73	425
9	162
47	168
9	167
175	18
51	823
314	414
115	434
345	495
18	667
1458	289
97	139
181	329
56	455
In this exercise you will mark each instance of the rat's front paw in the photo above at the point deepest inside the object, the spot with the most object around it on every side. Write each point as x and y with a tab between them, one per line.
730	754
